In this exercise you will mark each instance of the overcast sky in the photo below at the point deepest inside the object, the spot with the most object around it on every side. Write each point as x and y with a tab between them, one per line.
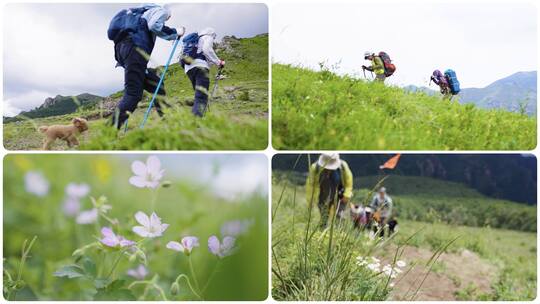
482	42
52	49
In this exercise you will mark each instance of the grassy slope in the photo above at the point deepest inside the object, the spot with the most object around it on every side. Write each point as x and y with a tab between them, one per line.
512	252
319	110
238	122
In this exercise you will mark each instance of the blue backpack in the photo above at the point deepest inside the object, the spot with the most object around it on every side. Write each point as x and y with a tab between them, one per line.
126	21
453	82
189	49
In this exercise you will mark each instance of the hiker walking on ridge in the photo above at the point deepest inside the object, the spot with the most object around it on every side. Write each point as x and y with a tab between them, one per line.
330	184
381	206
439	79
134	33
381	65
197	56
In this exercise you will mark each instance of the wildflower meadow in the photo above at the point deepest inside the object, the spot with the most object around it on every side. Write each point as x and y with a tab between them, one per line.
137	227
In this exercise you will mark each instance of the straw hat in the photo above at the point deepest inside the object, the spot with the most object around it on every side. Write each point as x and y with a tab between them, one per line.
329	161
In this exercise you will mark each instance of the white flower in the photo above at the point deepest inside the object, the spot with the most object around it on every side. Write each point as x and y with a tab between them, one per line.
36	183
87	216
375	267
151	226
74	190
186	246
375	259
401	263
221	250
392	284
146	175
361	261
71	206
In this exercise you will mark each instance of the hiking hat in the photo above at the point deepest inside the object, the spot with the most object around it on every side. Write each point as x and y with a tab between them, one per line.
329	161
382	189
367	54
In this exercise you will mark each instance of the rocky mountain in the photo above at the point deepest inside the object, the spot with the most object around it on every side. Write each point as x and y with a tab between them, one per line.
58	105
515	93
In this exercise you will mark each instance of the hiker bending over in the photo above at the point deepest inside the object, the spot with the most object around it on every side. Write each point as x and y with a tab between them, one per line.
134	33
439	79
377	66
381	211
330	183
197	57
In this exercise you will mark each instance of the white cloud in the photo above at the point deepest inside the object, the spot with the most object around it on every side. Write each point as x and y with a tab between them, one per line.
63	48
31	99
481	42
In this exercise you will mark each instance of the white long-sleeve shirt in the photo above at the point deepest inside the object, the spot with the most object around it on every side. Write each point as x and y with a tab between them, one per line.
206	47
155	17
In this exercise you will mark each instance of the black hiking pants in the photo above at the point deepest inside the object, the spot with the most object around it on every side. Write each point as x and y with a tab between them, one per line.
137	78
201	83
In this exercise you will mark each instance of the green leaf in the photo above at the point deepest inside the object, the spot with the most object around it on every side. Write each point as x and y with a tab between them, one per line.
69	271
114	291
89	267
101	283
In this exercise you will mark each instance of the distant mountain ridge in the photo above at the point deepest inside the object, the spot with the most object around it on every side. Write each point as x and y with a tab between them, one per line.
58	105
515	93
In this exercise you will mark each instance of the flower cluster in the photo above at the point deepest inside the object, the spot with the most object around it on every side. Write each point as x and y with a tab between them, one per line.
374	264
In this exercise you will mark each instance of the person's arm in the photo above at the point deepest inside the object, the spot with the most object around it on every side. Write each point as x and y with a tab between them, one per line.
347	181
155	19
208	50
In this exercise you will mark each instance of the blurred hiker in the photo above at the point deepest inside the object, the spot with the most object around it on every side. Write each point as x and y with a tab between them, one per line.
381	65
439	79
330	183
197	56
134	33
381	211
359	215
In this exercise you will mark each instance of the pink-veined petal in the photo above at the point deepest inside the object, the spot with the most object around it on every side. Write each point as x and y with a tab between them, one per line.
138	181
142	218
107	232
213	245
141	231
228	245
153	164
138	168
175	246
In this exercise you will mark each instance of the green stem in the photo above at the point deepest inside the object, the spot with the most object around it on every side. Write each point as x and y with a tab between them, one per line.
189	284
153	284
211	277
154	199
116	261
193	273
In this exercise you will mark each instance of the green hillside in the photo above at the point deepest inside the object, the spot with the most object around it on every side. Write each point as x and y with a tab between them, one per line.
447	257
320	110
237	119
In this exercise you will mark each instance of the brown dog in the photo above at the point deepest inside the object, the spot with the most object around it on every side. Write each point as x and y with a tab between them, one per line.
68	133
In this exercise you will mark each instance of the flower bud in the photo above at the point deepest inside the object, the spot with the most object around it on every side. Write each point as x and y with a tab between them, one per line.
166	184
175	288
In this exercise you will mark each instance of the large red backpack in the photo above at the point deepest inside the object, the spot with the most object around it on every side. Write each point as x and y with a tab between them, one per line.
389	67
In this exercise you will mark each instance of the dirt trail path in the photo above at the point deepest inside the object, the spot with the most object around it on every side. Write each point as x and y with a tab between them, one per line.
452	272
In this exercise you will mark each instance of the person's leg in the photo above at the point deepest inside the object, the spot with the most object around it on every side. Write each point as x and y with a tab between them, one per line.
202	83
324	209
380	77
150	83
382	226
391	226
134	75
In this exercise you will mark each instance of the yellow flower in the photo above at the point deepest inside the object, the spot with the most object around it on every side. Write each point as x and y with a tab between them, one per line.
102	170
22	162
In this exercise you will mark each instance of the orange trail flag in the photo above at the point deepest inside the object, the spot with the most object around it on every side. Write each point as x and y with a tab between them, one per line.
391	163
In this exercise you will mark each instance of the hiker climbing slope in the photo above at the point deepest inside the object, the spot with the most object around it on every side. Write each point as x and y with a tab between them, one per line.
447	82
381	65
330	183
197	56
134	33
382	206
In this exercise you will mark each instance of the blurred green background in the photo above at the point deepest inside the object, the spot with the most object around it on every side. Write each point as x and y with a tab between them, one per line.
196	206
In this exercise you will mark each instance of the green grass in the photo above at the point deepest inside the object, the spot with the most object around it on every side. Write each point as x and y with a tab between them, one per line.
237	119
320	110
189	207
512	253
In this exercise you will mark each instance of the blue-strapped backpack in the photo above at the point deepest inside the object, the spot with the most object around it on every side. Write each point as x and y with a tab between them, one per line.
453	82
190	48
126	21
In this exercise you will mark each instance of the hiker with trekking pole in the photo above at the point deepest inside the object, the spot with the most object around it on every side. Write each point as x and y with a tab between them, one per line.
197	57
330	184
134	33
381	65
447	82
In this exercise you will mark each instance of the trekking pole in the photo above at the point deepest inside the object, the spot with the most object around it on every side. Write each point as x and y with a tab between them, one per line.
214	89
364	70
159	83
